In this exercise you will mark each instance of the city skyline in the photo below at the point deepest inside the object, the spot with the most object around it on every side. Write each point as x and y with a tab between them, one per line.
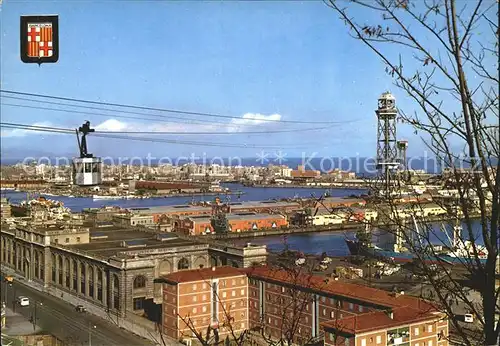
266	65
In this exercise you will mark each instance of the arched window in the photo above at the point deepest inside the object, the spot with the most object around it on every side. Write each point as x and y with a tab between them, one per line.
91	281
83	277
37	264
183	264
67	272
75	275
60	263
99	285
53	262
140	281
116	293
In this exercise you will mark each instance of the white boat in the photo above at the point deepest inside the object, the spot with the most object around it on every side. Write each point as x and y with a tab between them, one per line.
215	187
463	248
98	197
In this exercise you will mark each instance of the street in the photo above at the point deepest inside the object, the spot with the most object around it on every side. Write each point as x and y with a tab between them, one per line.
61	320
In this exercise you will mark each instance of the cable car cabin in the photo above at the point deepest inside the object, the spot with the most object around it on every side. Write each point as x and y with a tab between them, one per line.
86	168
87	171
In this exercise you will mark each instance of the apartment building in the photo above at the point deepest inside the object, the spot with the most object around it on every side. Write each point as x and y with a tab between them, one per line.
282	304
132	219
197	299
403	326
339	313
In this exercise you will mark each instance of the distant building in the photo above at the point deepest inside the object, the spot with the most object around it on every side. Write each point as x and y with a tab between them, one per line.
337	202
340	215
408	210
129	219
163	187
285	172
5	209
340	175
23	184
238	222
301	172
98	215
188	210
325	217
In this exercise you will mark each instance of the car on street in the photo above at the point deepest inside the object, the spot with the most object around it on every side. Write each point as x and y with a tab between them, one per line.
468	318
23	301
80	308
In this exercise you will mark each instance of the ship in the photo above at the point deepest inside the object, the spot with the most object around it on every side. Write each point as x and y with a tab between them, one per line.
358	248
99	197
459	252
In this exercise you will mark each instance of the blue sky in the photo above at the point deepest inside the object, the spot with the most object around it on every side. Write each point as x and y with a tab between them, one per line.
287	60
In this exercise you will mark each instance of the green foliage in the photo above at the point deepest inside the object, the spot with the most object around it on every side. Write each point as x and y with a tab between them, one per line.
220	224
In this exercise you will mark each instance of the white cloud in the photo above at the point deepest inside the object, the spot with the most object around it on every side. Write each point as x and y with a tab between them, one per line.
250	119
235	125
113	125
7	132
256	119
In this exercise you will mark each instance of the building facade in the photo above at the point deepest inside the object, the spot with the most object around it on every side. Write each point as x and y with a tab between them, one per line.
402	326
195	300
309	308
111	267
5	210
241	222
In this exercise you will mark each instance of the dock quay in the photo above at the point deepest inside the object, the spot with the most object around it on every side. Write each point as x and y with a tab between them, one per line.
356	186
346	227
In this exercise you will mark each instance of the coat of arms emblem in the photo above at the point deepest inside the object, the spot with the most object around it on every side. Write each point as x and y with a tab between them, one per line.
39	39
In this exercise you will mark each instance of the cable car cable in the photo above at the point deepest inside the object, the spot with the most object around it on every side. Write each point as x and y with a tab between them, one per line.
173	132
167	110
160	140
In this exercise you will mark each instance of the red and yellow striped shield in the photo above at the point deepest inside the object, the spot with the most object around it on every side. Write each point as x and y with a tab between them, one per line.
40	40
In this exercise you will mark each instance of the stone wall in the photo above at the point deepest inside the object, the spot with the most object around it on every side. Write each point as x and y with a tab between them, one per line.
40	340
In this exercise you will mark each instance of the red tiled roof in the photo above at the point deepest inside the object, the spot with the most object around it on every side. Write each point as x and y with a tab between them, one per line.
339	288
201	274
377	320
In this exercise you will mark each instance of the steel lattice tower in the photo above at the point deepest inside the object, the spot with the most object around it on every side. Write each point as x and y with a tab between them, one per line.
403	146
387	150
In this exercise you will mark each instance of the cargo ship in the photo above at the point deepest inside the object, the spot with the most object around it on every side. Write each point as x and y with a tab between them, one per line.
459	252
357	248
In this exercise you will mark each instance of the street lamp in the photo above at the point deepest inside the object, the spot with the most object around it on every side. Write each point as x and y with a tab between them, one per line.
90	332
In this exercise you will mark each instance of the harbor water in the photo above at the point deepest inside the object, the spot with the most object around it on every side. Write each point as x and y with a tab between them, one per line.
312	243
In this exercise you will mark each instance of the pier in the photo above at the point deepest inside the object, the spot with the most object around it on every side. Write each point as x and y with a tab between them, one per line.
340	228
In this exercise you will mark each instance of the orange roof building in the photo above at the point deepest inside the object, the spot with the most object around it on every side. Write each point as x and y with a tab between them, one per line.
272	300
194	300
349	314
